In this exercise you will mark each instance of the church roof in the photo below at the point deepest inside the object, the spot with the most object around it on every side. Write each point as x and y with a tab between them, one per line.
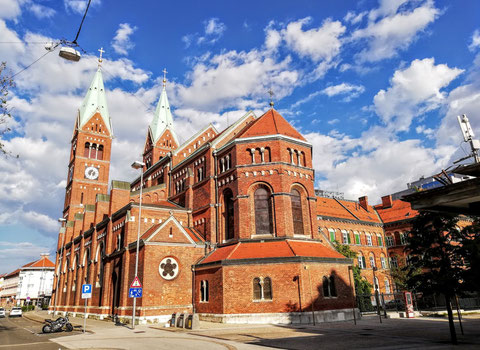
95	101
271	123
273	249
162	119
399	211
42	262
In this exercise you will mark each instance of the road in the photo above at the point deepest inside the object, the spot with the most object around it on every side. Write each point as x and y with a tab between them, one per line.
21	333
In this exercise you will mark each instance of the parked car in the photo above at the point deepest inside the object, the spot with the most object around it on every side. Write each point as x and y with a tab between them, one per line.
2	312
16	311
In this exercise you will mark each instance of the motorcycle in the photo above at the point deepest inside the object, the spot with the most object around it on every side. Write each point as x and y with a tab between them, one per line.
57	325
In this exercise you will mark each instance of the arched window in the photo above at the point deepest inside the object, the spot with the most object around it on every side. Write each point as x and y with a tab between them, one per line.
372	260
393	261
297	212
379	240
99	258
76	264
204	291
345	237
100	152
257	289
357	237
86	265
229	214
387	286
333	289
383	261
389	240
86	152
326	292
268	155
93	151
369	239
267	288
328	286
331	232
361	261
263	212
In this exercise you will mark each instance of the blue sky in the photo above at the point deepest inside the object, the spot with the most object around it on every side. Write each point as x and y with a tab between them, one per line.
375	86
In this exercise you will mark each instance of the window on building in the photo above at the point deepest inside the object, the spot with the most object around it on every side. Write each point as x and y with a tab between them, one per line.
199	174
357	237
389	240
229	214
394	261
100	152
331	231
345	237
262	288
328	285
369	239
372	260
361	261
86	152
297	212
383	262
87	263
387	286
263	212
379	240
93	151
204	291
403	238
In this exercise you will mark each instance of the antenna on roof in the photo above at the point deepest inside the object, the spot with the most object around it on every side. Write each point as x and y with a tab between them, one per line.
468	136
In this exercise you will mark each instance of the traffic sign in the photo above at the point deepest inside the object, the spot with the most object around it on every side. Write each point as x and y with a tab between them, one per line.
135	292
136	283
86	291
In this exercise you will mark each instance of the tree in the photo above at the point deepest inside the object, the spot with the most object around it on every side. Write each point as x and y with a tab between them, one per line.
434	245
362	286
401	275
6	83
470	250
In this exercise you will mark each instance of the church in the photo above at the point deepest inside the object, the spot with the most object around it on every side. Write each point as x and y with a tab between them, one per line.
230	226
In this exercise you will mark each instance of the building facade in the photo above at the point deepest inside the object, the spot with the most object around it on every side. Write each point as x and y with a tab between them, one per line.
32	284
228	224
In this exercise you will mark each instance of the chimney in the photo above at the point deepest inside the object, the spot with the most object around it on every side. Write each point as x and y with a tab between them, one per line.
363	201
387	201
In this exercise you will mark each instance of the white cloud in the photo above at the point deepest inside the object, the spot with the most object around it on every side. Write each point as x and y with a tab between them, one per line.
10	9
318	44
213	31
16	254
350	90
394	32
354	18
121	42
41	11
414	91
79	6
475	41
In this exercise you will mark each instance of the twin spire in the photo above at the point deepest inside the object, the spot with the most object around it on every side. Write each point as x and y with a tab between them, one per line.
95	101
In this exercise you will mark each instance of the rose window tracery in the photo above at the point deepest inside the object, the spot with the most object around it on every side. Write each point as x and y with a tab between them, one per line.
168	268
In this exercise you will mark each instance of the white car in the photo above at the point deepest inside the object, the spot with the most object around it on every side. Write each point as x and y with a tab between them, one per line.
2	312
16	311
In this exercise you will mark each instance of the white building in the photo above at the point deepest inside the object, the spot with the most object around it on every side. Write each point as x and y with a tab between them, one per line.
32	282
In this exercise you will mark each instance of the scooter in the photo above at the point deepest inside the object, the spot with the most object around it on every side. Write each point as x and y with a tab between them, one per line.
57	325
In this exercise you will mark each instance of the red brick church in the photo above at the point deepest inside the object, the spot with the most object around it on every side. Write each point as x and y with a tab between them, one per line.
229	224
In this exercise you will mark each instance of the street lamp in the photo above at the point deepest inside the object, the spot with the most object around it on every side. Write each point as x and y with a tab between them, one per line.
375	287
137	165
62	221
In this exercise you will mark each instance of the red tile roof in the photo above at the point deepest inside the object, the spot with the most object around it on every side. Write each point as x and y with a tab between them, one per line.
399	210
272	249
270	123
343	209
42	262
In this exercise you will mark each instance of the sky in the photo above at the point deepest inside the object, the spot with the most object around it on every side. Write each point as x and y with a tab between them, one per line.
374	85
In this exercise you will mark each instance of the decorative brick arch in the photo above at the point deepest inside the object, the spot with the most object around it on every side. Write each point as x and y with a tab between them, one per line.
305	207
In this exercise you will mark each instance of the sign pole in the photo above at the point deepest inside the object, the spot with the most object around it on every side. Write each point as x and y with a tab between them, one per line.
85	317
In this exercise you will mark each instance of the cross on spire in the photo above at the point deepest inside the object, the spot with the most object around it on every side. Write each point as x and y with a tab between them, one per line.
100	58
164	76
271	93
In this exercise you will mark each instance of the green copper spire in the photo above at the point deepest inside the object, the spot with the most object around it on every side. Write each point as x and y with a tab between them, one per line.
95	101
162	119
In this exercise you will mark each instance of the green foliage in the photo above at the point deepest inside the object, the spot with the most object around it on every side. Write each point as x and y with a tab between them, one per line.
6	83
362	286
434	247
26	308
401	276
470	250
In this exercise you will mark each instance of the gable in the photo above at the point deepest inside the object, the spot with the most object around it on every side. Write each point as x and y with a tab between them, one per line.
96	125
170	232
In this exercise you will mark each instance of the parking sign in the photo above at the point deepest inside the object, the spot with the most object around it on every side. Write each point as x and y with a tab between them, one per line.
86	291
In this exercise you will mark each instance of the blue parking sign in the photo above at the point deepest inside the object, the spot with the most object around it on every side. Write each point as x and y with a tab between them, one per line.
86	291
135	292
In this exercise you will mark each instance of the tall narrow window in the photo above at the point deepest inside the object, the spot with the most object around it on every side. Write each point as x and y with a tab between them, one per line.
331	231
379	240
86	152
372	260
394	262
387	286
333	289
297	212
357	237
81	198
87	266
263	212
204	291
229	214
257	289
383	262
345	237
369	239
326	293
100	152
267	288
93	151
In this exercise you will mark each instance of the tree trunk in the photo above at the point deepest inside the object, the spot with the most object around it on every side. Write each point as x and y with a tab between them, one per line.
453	334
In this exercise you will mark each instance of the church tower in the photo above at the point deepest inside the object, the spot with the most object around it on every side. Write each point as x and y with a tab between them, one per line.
161	137
89	165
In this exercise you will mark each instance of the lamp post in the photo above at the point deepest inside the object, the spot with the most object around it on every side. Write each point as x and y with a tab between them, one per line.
137	165
62	221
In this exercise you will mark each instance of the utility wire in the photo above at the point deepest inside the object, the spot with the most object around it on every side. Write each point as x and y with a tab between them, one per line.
31	64
81	23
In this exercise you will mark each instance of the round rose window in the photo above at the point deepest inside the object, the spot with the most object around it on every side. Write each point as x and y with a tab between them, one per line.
168	268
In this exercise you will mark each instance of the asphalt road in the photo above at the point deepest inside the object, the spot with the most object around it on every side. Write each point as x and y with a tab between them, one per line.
21	333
